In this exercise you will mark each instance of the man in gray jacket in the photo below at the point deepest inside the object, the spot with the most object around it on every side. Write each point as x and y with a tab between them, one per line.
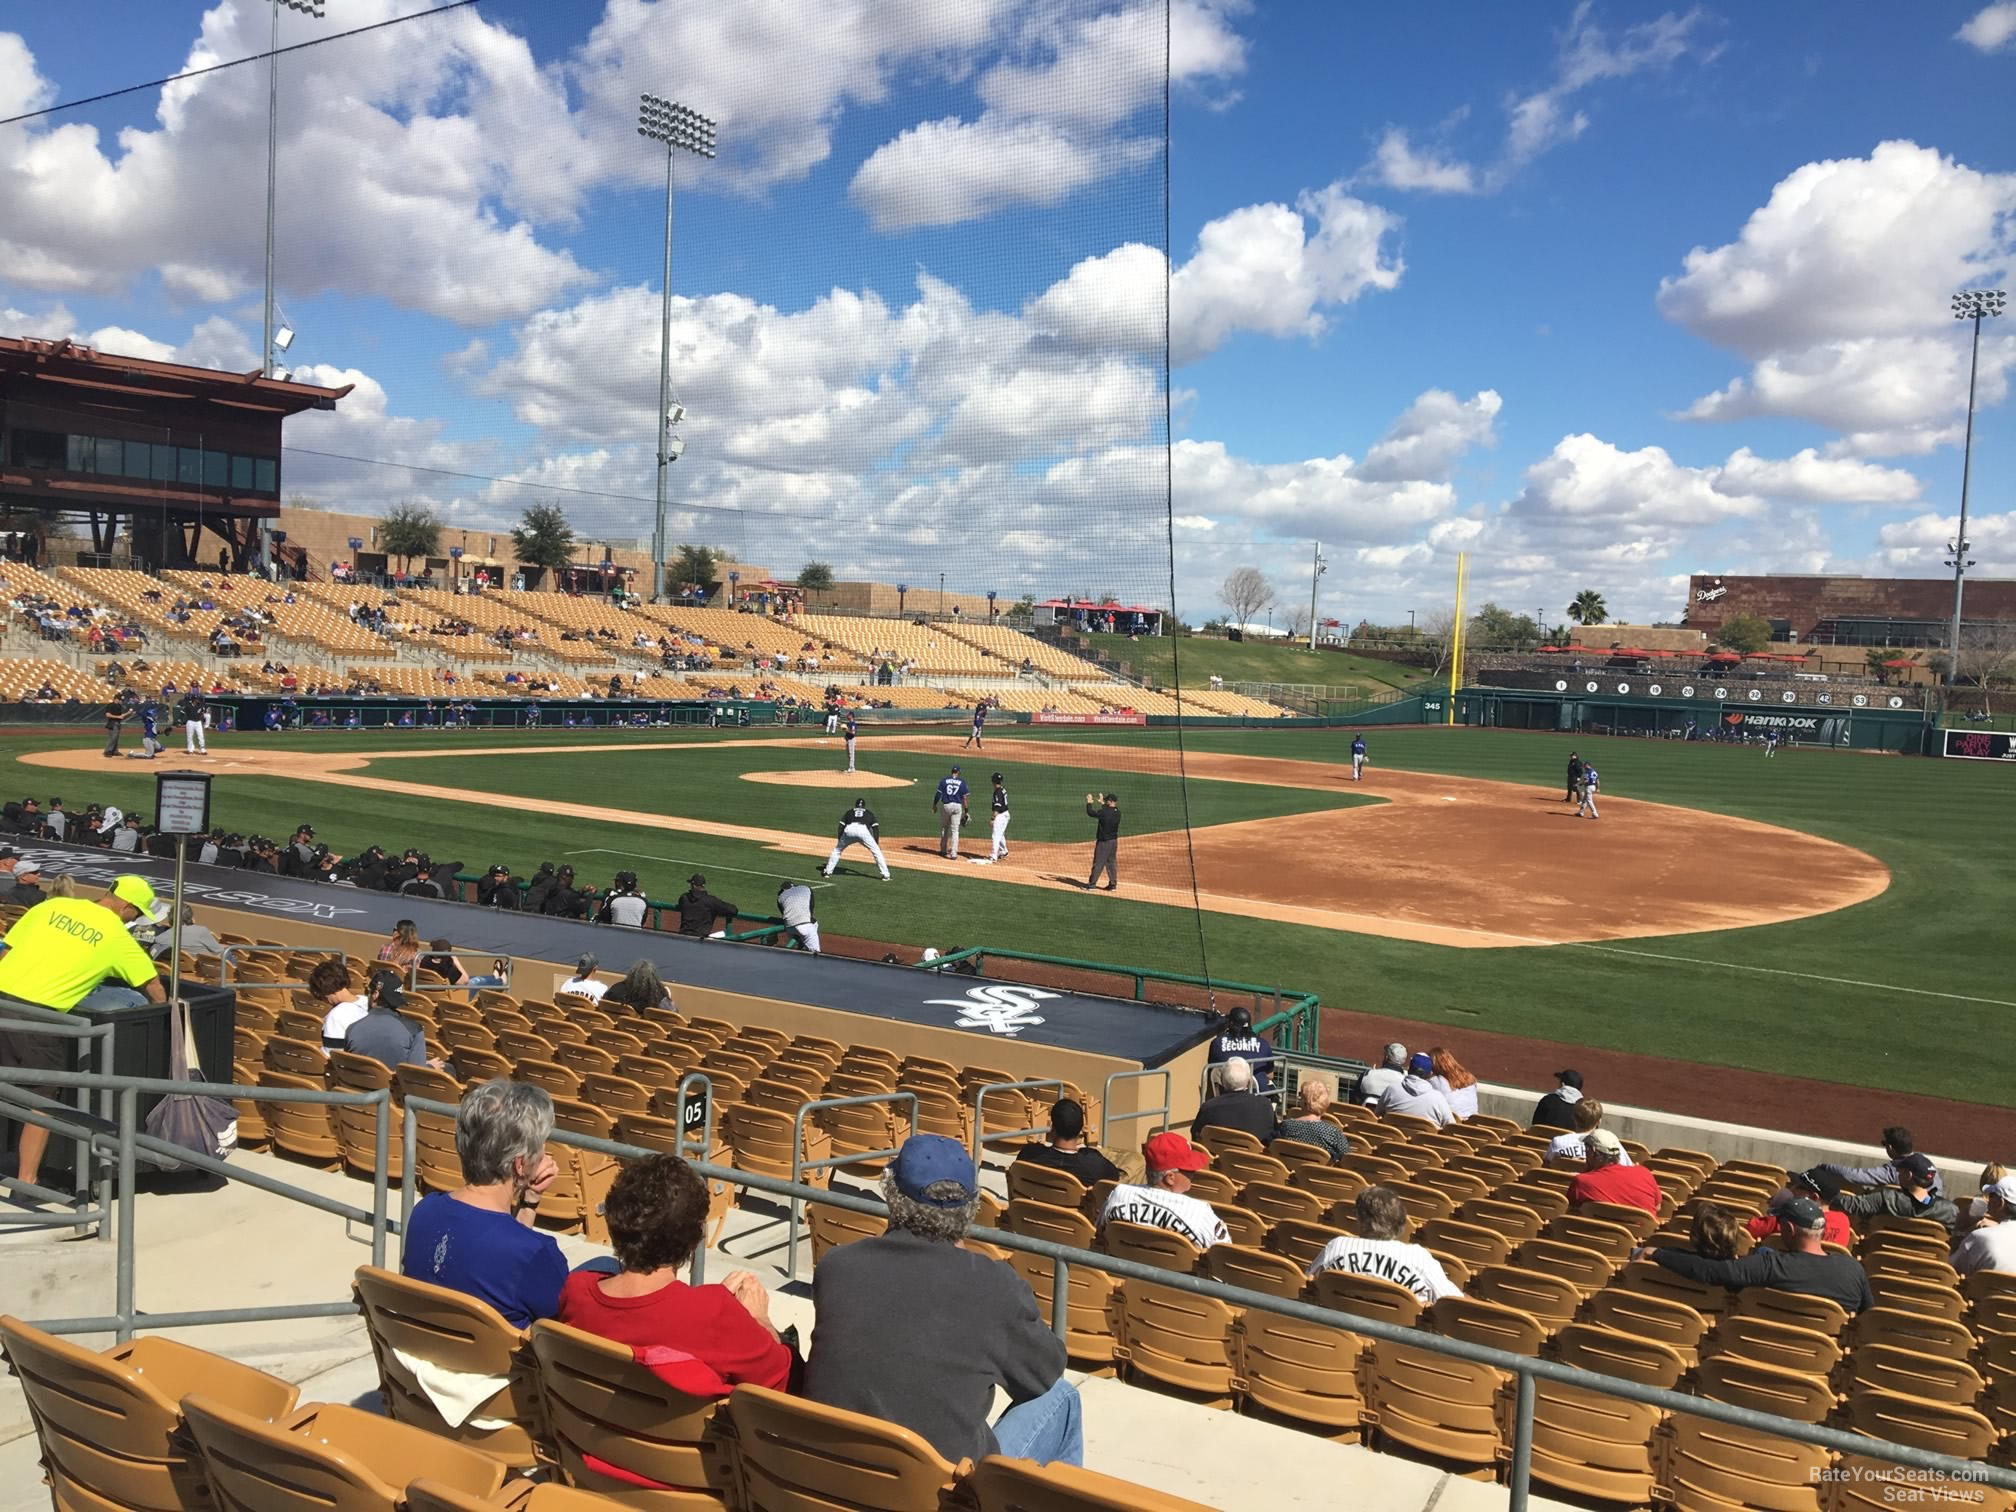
1913	1196
914	1329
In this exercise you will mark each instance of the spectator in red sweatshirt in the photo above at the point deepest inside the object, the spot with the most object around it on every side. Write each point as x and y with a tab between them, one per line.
1818	1185
1605	1178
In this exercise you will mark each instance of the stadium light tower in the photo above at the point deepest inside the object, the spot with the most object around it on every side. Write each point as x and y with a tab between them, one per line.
681	129
1976	305
307	8
1317	567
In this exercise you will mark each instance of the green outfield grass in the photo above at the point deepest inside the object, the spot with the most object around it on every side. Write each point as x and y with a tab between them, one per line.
1253	661
1911	990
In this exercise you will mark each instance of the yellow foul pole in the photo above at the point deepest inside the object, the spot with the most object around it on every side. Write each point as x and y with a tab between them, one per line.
1456	650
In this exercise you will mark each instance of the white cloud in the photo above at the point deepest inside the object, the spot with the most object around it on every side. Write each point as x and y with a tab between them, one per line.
1991	28
1586	482
1056	114
1836	290
1266	268
55	321
1543	119
1436	430
1919	545
1399	164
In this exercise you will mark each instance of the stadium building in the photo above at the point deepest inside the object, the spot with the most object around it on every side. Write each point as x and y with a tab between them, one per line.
1847	611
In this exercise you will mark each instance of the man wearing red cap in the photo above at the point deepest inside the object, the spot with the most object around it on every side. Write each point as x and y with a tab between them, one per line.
1164	1201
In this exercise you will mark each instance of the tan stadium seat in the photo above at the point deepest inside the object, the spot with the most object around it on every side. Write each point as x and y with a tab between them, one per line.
1591	1445
325	1459
1627	1357
109	1424
1589	1271
1633	1220
603	1406
1213	1186
792	1454
1005	1485
1514	1220
1146	1245
864	1129
1046	1184
1306	1373
1917	1331
1889	1367
1934	1298
1651	1279
426	1495
1765	1388
458	1332
1176	1339
1766	1341
1674	1324
1706	1466
1492	1324
832	1226
357	1127
1328	1184
1302	1242
1367	1297
1862	1484
1254	1270
1458	1186
303	1130
1942	1427
437	1163
1091	1307
1551	1299
1435	1405
762	1142
1274	1201
1473	1244
1818	1313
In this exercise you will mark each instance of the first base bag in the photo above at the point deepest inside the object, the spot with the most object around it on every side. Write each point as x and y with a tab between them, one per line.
189	1119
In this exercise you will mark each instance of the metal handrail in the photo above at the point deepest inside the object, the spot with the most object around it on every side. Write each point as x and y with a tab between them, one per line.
800	1165
1527	1368
1108	1118
131	1143
980	1137
100	1050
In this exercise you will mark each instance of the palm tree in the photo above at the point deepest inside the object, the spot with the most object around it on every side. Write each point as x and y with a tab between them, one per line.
1588	608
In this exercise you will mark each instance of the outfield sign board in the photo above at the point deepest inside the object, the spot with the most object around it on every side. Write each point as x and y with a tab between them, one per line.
1981	745
1047	717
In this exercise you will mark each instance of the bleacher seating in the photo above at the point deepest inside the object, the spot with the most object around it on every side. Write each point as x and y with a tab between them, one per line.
22	680
1013	647
932	649
736	638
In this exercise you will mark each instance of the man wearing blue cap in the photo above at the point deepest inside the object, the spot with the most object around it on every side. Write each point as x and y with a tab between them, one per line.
916	1330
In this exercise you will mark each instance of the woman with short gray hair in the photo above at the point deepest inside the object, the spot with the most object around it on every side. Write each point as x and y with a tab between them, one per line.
482	1237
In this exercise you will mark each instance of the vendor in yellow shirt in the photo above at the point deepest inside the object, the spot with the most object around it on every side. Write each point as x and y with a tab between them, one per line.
69	952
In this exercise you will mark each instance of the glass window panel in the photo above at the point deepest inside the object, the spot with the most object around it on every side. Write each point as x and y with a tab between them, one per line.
108	457
188	465
265	476
79	458
139	459
216	469
241	473
164	463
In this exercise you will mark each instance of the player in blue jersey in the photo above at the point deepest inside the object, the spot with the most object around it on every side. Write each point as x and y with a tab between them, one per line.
949	799
1590	784
979	727
1357	758
150	732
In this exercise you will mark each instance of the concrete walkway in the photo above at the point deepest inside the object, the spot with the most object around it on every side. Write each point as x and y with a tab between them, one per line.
235	1247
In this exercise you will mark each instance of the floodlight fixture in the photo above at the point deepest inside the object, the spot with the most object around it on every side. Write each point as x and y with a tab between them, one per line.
283	338
1976	305
306	7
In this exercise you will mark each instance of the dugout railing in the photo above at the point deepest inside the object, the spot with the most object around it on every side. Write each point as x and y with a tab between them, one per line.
126	1146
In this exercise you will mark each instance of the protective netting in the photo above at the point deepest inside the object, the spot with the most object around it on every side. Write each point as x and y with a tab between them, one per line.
918	344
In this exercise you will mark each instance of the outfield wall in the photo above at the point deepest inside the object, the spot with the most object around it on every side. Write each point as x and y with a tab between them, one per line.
1609	705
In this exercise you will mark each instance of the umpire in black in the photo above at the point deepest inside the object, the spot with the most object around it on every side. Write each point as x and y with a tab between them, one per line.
1105	840
1574	773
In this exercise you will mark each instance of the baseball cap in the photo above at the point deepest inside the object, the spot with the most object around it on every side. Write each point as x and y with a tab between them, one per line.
927	1159
955	766
1604	1140
1569	1079
28	869
1420	1064
995	778
1820	1181
136	891
2005	1189
1172	1152
696	880
111	820
390	994
1067	1119
1803	1213
1917	1167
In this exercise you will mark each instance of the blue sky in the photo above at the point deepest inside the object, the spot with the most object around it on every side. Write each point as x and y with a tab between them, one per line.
1602	294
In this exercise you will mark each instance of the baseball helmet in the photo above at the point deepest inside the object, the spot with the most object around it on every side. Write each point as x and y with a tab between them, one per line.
1239	1019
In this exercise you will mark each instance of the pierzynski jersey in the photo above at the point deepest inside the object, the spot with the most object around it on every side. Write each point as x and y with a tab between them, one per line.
1190	1217
1394	1260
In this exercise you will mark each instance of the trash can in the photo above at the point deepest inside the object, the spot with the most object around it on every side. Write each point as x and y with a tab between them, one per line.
140	1047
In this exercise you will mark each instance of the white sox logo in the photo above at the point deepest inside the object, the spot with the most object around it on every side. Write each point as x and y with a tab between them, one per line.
998	1008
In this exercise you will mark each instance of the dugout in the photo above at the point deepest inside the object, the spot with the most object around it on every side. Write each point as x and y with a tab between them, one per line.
1612	706
1013	1027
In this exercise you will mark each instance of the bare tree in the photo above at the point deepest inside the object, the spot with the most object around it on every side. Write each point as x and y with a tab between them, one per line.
1438	633
1298	624
1987	656
1245	592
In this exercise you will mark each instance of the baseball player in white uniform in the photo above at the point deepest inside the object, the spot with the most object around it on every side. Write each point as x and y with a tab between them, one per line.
851	729
1000	801
858	826
1589	786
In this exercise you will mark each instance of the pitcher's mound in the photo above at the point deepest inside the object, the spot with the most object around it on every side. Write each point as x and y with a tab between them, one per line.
827	779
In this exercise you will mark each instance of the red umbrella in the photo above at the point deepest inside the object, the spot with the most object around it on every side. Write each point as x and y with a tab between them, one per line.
1553	648
1628	651
1725	656
1902	661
